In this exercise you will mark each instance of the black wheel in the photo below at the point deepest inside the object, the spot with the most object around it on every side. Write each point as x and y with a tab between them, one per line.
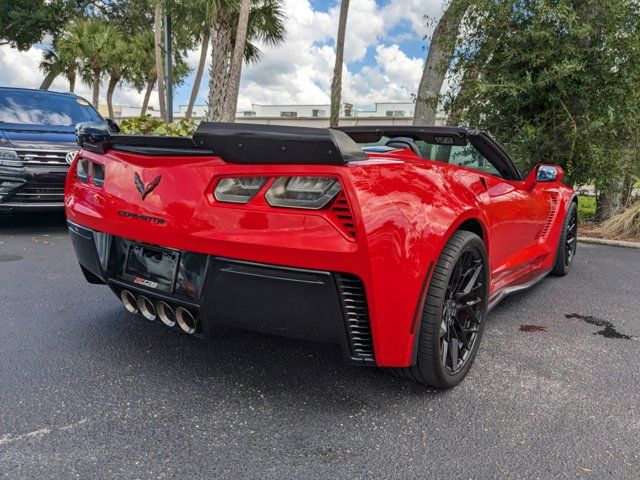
454	314
568	242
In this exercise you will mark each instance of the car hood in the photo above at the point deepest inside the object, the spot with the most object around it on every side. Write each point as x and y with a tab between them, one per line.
42	137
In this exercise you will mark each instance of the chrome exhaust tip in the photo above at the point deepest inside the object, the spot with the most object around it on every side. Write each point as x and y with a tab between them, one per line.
129	301
166	314
186	320
147	309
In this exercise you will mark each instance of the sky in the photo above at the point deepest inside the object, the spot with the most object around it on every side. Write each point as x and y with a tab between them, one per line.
384	56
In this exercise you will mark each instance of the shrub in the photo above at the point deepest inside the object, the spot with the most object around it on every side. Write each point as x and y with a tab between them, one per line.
154	126
625	224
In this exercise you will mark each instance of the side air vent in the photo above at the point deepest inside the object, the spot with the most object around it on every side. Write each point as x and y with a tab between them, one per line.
343	216
553	199
356	314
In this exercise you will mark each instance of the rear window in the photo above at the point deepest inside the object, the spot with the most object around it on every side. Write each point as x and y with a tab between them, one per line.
42	108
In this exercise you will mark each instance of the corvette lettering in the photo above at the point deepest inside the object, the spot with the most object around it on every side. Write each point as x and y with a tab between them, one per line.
145	218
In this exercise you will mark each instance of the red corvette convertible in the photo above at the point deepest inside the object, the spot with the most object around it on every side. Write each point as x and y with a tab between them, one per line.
393	242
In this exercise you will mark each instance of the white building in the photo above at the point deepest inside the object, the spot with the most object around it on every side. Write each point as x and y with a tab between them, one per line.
383	113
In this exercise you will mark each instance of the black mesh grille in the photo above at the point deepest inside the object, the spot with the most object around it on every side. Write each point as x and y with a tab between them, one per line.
40	193
356	312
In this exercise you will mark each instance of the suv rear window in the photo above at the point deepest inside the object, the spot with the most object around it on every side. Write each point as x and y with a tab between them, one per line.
42	108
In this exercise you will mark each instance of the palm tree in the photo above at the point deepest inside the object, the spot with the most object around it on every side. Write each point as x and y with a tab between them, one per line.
440	56
266	25
235	69
54	65
157	29
141	48
336	84
92	43
205	38
118	68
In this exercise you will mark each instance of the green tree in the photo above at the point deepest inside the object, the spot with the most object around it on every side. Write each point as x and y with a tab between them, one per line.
25	22
235	65
144	74
92	42
336	83
118	66
556	81
54	65
439	57
266	25
158	41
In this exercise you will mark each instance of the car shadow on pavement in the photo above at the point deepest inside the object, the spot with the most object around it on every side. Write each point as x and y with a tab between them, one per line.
307	373
26	222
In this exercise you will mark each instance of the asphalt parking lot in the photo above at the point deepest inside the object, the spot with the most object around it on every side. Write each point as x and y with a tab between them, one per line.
87	390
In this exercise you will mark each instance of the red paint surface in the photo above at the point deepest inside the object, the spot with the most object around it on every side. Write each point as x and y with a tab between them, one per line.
404	208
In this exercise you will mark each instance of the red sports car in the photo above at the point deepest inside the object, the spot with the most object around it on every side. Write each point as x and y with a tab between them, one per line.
393	242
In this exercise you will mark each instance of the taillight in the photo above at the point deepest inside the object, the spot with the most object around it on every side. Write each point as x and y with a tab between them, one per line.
82	170
86	170
310	193
238	190
98	174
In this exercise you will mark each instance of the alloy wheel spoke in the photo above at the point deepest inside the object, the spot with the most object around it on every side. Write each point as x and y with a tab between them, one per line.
474	278
454	353
461	315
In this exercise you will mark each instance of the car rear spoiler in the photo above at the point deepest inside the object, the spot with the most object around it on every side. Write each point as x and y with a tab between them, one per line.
234	143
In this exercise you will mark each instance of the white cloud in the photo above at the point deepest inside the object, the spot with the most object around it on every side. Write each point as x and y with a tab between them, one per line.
22	69
413	12
301	68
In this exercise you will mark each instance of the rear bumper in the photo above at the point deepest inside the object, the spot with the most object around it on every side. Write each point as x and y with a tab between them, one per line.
295	302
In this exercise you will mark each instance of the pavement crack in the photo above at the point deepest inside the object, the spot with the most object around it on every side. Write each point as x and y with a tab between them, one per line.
11	438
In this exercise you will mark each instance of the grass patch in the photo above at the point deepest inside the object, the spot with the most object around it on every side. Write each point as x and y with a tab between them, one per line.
586	207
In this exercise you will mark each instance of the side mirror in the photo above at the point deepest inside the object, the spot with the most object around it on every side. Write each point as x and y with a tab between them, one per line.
113	126
544	173
549	173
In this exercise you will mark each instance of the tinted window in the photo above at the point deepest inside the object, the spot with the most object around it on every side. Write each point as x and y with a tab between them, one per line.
41	108
466	156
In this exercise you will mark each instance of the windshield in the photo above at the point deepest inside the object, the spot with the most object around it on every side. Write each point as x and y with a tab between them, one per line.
42	108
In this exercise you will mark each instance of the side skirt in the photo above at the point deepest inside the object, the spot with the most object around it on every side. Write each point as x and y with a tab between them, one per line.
497	297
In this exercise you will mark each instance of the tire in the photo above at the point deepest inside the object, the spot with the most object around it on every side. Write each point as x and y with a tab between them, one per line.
568	242
431	365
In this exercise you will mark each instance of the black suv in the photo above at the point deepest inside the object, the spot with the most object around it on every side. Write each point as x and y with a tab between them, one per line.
37	144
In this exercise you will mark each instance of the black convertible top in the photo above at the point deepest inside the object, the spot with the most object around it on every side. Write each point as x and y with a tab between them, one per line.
234	143
275	144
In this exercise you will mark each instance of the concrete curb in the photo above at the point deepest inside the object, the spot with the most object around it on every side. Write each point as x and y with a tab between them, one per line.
612	243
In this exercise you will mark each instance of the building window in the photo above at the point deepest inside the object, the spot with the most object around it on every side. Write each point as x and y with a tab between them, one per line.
395	113
318	113
289	114
249	114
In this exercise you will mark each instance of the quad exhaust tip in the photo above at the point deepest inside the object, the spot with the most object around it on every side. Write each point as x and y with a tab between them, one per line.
129	301
147	309
166	314
186	320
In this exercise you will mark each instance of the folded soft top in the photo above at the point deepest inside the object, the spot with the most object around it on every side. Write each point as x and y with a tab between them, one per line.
234	143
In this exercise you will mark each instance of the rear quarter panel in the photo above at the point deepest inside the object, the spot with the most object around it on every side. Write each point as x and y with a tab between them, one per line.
409	210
